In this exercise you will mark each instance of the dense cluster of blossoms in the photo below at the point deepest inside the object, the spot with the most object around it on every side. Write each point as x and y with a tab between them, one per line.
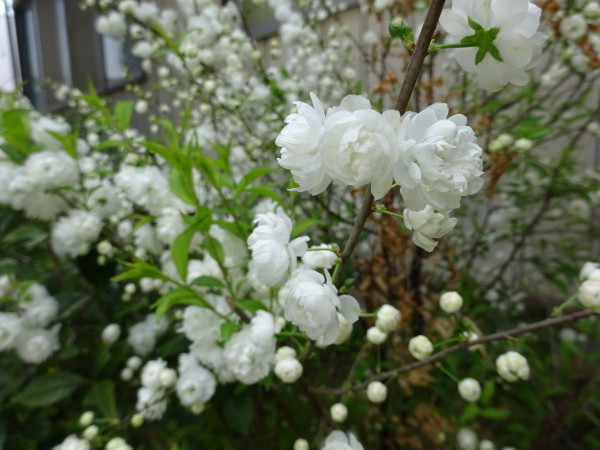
434	158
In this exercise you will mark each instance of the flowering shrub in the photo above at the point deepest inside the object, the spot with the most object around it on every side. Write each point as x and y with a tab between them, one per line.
244	268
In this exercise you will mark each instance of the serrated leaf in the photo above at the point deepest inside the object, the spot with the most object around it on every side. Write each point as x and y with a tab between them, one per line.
250	177
102	395
47	390
207	281
250	304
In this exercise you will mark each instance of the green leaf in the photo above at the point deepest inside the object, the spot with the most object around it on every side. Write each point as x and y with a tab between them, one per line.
179	296
182	186
302	225
207	281
248	178
123	110
264	191
228	329
470	412
214	248
102	395
250	304
47	390
495	413
487	393
180	251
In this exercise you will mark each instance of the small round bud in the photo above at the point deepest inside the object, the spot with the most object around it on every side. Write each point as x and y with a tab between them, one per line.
134	362
376	392
388	318
116	443
86	418
136	420
130	288
301	444
376	336
511	366
589	294
486	444
466	439
285	352
288	370
523	145
420	347
338	412
197	408
168	377
469	389
126	374
111	333
90	433
141	107
451	302
104	247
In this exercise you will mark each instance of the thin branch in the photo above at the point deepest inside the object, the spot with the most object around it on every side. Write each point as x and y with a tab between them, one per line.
461	346
412	75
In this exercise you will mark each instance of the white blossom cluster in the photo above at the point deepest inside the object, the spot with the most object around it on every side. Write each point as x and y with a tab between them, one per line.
434	158
28	330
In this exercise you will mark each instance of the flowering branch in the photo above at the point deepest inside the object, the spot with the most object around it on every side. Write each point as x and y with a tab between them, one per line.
408	85
461	346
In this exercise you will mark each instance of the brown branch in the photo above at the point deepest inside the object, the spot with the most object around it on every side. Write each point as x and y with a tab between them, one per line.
412	75
461	346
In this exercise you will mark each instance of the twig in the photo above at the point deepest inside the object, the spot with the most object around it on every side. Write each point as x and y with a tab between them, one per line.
461	346
412	75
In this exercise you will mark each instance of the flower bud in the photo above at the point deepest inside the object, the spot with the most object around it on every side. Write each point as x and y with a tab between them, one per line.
338	412
589	271
589	294
90	433
591	10
288	370
469	389
134	363
111	334
523	145
388	318
451	302
284	352
376	392
420	347
197	408
136	420
301	444
126	374
130	288
466	439
168	377
86	418
486	444
376	336
511	366
399	28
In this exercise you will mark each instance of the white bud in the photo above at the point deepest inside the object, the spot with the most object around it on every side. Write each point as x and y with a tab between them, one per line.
168	377
130	288
388	318
451	302
285	352
136	420
592	10
301	444
589	294
86	418
469	389
486	444
288	370
141	107
376	392
589	271
466	439
197	408
511	366
117	443
420	347
111	333
126	374
104	247
90	432
134	362
376	336
523	145
338	412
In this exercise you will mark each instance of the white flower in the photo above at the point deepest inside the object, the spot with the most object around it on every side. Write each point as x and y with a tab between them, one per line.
589	294
420	347
41	309
388	318
35	345
592	10
10	327
338	440
358	145
73	443
573	27
451	302
466	439
299	153
428	225
52	169
301	444
112	24
151	403
289	370
324	259
511	366
589	271
195	385
142	335
469	389
86	418
134	362
284	352
250	352
376	392
151	373
486	444
117	443
312	303
439	162
338	412
90	433
376	336
111	333
73	234
523	145
518	42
